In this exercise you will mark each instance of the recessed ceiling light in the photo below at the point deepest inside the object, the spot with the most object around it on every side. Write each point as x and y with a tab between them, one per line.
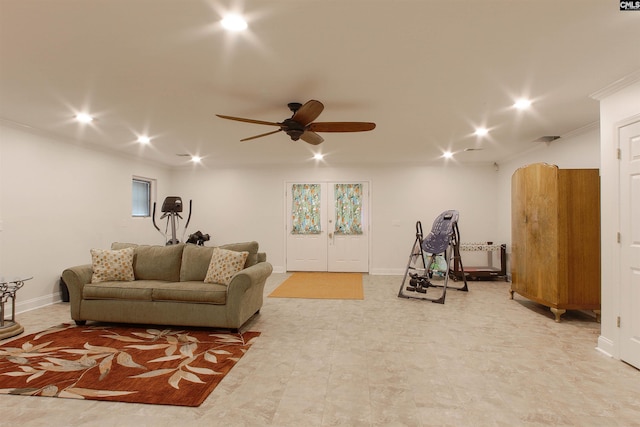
144	139
196	159
318	156
233	22
522	104
481	131
447	154
84	118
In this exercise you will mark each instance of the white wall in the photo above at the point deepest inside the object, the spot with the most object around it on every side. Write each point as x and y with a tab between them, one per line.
249	204
57	201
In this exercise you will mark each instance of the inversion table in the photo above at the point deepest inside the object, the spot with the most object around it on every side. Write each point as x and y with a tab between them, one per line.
423	271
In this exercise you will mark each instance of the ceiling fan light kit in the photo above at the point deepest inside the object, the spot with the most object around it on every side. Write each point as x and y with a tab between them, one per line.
301	126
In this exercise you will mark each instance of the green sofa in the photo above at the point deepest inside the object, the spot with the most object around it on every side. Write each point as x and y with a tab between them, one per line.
169	289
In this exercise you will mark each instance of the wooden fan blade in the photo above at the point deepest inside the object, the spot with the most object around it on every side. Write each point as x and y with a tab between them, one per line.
240	119
308	112
341	126
261	135
311	138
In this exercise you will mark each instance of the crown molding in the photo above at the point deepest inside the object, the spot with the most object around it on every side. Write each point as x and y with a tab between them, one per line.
616	86
584	129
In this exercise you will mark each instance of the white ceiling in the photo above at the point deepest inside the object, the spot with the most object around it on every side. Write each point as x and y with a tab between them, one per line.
426	71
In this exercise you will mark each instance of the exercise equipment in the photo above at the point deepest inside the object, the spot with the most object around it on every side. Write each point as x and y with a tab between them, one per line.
485	271
443	241
198	238
171	209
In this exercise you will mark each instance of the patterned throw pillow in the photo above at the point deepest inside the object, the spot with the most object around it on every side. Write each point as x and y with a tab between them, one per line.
111	265
224	264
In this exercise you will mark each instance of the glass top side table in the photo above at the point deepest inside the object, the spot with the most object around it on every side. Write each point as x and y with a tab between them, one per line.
9	286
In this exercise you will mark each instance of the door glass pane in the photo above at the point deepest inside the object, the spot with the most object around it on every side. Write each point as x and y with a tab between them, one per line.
305	209
348	208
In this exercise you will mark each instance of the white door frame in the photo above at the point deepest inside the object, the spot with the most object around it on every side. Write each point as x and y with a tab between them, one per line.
629	322
287	210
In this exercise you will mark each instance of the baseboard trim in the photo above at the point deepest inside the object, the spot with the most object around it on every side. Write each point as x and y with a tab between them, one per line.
387	272
278	269
374	272
606	347
33	303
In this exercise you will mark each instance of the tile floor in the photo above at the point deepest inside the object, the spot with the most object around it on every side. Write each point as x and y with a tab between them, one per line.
478	360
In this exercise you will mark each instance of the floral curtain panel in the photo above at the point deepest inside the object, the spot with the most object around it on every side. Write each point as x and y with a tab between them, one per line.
348	208
305	209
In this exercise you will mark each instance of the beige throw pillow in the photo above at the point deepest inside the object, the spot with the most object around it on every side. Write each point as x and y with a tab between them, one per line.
224	264
109	265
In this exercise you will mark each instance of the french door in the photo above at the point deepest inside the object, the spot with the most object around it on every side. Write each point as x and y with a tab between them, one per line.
629	144
327	226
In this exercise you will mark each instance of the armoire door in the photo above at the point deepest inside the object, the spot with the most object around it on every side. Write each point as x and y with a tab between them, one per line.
518	235
534	231
542	231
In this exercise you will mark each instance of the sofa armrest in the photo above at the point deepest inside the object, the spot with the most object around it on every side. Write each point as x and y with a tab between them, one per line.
249	276
75	278
245	293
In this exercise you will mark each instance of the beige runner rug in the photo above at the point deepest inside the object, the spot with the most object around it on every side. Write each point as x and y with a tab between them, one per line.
321	285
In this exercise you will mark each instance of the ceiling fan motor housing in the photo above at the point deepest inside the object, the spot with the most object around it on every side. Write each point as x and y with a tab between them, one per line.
293	129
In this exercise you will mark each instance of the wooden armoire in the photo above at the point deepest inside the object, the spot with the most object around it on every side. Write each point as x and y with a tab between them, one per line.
555	237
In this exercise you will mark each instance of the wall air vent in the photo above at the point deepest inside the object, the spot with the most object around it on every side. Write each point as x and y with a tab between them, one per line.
547	138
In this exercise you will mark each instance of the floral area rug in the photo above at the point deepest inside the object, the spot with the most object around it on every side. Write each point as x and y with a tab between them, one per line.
121	363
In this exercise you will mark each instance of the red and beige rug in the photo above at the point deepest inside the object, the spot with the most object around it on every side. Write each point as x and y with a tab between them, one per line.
121	363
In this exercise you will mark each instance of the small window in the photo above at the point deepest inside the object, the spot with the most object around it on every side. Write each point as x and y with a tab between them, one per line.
141	197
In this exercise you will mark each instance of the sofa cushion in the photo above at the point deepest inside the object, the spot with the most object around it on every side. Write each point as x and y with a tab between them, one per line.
157	290
224	265
118	245
251	247
108	265
195	262
192	291
138	290
196	259
155	262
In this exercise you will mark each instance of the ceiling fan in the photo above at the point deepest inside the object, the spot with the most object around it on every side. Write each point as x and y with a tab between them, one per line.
301	125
